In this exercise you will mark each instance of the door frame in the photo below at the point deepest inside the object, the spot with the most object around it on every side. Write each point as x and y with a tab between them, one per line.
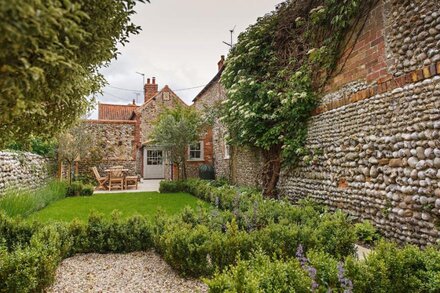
145	150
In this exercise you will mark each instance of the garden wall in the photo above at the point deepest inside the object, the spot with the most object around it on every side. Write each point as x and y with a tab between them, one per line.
377	130
116	139
22	170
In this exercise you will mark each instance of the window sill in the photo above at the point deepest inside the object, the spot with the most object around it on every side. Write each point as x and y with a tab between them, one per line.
195	160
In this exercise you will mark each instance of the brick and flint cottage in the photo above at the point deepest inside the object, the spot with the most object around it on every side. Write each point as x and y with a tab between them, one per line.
124	131
240	165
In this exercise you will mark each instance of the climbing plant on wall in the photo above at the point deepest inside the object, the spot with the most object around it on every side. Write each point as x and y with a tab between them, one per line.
276	71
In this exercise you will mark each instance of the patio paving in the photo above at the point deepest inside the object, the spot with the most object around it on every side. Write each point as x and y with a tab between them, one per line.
144	186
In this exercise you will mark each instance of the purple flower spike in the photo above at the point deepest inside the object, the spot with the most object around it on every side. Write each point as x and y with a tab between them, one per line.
346	283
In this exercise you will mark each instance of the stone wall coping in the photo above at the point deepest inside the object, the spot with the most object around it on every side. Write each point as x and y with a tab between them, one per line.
131	122
382	86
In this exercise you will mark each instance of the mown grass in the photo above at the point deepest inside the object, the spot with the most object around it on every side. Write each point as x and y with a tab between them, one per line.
23	203
143	203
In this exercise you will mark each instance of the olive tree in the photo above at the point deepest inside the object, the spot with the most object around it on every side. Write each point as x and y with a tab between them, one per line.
174	130
78	143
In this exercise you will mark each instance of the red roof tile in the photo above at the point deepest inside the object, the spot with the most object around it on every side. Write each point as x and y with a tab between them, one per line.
115	112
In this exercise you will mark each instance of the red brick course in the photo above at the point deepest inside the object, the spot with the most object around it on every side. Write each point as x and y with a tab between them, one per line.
383	85
110	121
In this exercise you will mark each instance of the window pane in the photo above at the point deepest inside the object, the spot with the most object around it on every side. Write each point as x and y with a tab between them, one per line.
195	147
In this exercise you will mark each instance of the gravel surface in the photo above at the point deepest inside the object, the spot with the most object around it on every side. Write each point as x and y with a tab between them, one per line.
134	272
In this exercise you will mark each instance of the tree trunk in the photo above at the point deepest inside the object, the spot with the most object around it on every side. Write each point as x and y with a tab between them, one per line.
70	172
271	171
184	170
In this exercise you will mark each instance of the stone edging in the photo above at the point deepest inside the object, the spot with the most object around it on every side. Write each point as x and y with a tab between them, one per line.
110	121
382	86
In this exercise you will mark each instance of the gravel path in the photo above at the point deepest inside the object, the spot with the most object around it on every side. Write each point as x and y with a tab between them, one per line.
134	272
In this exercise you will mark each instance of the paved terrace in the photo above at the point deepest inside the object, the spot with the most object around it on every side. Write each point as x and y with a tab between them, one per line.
144	186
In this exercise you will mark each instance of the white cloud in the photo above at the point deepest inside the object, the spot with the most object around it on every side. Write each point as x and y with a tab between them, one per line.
180	44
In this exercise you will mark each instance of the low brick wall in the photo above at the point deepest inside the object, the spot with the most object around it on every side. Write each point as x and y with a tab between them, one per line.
22	170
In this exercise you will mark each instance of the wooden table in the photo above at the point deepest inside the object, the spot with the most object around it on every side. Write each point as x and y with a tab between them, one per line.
124	171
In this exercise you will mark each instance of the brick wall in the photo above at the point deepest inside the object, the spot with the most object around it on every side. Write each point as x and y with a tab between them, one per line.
193	166
364	57
208	101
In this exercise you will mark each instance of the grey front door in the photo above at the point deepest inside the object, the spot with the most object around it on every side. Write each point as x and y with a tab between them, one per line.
154	167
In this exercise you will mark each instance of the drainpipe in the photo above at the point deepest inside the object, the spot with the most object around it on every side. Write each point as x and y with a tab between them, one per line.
172	170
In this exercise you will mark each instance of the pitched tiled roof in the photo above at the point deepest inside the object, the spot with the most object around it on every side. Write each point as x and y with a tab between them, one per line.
115	112
210	84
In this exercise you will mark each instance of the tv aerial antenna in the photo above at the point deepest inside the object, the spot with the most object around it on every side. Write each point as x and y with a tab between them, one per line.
231	44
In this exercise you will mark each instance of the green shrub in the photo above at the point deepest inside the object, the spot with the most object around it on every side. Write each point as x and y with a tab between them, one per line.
206	172
262	274
336	235
392	269
366	232
185	248
167	186
87	190
25	202
74	189
14	232
78	188
31	268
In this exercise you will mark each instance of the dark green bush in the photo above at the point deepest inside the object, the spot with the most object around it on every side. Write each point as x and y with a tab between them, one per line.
15	232
31	268
392	269
78	188
167	186
366	232
262	274
74	189
206	172
87	190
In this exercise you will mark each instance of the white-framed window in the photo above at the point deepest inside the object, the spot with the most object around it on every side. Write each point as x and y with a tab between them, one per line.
227	151
195	151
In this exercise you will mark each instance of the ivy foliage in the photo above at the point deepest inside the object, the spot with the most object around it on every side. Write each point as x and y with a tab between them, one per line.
276	71
51	53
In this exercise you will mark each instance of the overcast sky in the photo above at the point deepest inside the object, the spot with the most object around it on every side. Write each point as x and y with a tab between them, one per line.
180	44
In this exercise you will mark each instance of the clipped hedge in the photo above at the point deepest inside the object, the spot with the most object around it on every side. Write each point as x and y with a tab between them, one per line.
31	252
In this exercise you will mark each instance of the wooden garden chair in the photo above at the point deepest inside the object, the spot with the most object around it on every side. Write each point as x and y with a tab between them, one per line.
131	181
101	180
116	179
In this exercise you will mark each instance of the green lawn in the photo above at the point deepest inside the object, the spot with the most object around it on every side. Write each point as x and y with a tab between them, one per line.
145	203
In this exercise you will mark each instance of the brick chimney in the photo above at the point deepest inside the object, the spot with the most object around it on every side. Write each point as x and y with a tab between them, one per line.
150	89
221	63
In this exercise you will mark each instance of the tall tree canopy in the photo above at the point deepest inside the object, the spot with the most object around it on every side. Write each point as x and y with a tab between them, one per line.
49	61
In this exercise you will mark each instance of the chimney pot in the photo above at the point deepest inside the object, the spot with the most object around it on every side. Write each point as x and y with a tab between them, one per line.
221	63
150	89
134	101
